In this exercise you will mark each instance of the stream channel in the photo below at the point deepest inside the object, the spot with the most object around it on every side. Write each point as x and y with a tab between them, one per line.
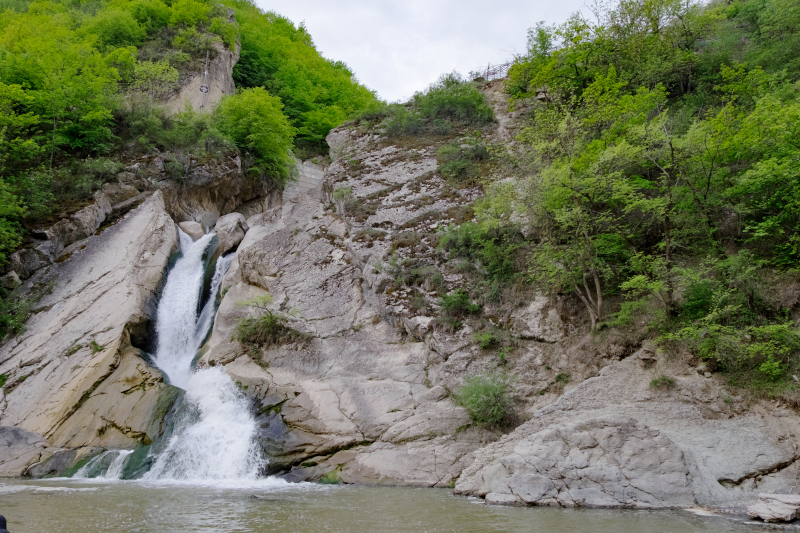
204	474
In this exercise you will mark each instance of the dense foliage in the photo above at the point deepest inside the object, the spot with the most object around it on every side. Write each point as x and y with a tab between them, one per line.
318	94
487	399
81	84
658	180
447	105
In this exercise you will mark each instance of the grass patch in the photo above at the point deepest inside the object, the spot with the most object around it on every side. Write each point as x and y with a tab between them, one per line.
458	304
663	383
486	340
265	330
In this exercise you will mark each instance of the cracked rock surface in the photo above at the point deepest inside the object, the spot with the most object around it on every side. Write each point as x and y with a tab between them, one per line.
74	376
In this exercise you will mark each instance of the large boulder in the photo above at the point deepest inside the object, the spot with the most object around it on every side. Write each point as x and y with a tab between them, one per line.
776	507
75	376
18	449
230	231
600	462
192	229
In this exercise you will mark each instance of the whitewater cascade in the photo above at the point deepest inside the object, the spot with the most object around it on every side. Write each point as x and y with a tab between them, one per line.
214	434
214	430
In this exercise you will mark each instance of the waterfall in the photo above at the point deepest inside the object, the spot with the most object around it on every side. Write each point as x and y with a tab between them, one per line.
176	324
115	461
214	441
214	431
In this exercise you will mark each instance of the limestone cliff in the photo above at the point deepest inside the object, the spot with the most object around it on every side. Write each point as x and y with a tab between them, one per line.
364	393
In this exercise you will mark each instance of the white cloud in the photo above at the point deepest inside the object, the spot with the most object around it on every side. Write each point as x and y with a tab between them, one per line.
398	47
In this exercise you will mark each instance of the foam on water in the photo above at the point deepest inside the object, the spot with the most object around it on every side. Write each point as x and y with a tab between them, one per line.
215	441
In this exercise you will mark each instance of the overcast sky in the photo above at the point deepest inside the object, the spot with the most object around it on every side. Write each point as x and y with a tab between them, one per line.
397	47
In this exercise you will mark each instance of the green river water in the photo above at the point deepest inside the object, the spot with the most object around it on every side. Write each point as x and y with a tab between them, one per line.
72	506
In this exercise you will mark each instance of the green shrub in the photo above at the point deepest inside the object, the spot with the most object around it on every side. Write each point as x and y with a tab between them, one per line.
449	103
14	312
452	98
497	248
3	379
486	340
458	304
115	28
459	163
265	330
663	382
427	276
254	120
562	377
157	79
487	399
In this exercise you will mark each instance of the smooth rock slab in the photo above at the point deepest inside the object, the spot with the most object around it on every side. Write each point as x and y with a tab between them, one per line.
601	462
18	449
776	507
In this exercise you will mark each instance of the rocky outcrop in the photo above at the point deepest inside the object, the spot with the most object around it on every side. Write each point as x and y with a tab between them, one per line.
18	449
218	80
598	462
347	401
705	452
230	231
81	346
776	507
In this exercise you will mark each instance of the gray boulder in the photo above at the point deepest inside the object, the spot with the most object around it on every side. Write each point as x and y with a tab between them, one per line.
192	229
18	449
230	231
776	507
600	462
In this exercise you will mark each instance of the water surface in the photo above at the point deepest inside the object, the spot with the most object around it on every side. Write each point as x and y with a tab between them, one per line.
72	506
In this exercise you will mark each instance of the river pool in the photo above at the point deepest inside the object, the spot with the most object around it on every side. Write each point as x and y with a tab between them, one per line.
73	506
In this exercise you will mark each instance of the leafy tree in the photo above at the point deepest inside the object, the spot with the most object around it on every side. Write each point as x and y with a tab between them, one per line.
253	119
317	93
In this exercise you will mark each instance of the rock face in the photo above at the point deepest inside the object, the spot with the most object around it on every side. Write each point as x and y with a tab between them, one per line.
219	81
600	462
347	401
18	449
80	346
702	452
230	231
776	507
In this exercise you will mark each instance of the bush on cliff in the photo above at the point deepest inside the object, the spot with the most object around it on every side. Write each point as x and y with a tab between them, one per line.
253	118
487	399
265	330
449	103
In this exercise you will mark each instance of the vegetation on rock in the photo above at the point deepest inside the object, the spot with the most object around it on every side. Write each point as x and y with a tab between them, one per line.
487	399
656	179
80	87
